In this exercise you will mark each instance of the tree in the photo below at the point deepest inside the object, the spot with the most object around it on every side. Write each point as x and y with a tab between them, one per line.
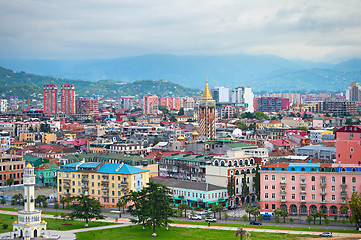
249	210
86	209
326	221
245	188
183	207
68	200
291	221
214	210
172	119
152	206
231	188
257	182
181	112
303	128
309	220
220	209
10	181
3	201
320	214
314	215
62	201
18	198
121	204
255	213
155	141
261	116
41	199
355	206
240	232
45	127
284	214
226	217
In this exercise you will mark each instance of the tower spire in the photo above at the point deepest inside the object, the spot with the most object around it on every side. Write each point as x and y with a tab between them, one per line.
207	93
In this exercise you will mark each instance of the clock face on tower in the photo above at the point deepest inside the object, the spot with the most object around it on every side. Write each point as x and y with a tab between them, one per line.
32	180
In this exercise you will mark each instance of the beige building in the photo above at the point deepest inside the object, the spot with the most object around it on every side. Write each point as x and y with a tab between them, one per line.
107	182
47	138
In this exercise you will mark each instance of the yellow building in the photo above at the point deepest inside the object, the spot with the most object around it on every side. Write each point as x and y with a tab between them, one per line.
107	182
47	138
27	137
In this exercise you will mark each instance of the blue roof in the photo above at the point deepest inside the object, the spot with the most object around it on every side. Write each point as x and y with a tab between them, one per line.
125	169
89	165
304	165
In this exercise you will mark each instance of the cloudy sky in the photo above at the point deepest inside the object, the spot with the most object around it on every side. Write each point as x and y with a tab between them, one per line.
316	30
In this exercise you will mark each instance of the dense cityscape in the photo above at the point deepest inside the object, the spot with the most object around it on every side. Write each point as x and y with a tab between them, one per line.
229	152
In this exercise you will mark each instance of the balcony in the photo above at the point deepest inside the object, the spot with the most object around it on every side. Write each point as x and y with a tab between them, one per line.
66	193
105	195
105	188
124	190
344	185
85	187
323	201
303	192
283	182
66	186
105	183
85	179
323	184
343	201
303	200
105	180
323	193
124	183
283	192
343	193
283	200
66	180
303	183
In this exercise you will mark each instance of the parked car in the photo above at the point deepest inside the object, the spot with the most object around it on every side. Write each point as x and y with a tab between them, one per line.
211	219
255	223
326	234
195	217
130	210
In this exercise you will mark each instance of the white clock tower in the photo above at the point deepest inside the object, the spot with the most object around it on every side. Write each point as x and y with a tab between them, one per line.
29	224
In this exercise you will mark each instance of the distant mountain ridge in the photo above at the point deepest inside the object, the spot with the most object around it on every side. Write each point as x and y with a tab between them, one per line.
262	73
22	84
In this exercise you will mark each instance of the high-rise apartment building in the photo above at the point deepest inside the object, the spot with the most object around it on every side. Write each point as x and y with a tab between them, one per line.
207	109
87	106
150	105
220	94
272	104
187	102
171	103
67	99
244	95
50	99
125	102
3	105
353	92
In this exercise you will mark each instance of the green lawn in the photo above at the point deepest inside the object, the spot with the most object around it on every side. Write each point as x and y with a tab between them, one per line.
268	227
174	233
53	224
43	212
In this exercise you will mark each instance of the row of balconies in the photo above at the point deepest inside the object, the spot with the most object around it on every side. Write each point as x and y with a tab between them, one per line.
303	183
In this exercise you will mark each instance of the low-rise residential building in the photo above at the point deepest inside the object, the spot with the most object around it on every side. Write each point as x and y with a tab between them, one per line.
317	151
107	182
45	174
11	166
197	195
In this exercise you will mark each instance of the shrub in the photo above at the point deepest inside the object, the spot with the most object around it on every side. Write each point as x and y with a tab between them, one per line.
13	202
5	226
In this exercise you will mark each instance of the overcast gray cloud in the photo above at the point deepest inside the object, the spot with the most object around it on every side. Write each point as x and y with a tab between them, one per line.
79	29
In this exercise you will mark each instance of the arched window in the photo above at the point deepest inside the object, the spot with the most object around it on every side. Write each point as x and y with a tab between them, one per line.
293	169
293	178
229	163
303	169
251	161
273	169
237	182
237	172
333	179
248	171
246	162
240	162
353	169
313	178
222	163
253	170
242	171
216	163
333	210
235	163
353	179
343	169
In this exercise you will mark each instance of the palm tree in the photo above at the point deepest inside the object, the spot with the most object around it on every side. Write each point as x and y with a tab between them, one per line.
62	201
241	232
249	210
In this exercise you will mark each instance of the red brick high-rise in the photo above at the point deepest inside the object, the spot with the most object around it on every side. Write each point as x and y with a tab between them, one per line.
67	99
50	99
87	106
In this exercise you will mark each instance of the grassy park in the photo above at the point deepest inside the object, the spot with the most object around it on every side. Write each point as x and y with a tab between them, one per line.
53	224
174	233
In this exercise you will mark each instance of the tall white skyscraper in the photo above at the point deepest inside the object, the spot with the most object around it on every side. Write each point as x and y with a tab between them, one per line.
353	92
220	94
244	95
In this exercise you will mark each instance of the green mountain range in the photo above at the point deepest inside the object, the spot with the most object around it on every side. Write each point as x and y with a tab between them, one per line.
23	84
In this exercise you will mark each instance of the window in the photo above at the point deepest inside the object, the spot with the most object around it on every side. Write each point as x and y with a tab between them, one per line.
293	187
266	206
112	177
98	177
266	186
353	188
353	179
273	195
313	196
293	196
333	197
78	175
351	149
313	178
293	178
333	179
266	195
333	188
273	187
92	176
313	187
273	206
59	174
266	177
273	177
92	191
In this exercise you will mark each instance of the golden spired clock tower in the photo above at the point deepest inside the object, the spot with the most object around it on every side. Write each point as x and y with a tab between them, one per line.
29	224
207	108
